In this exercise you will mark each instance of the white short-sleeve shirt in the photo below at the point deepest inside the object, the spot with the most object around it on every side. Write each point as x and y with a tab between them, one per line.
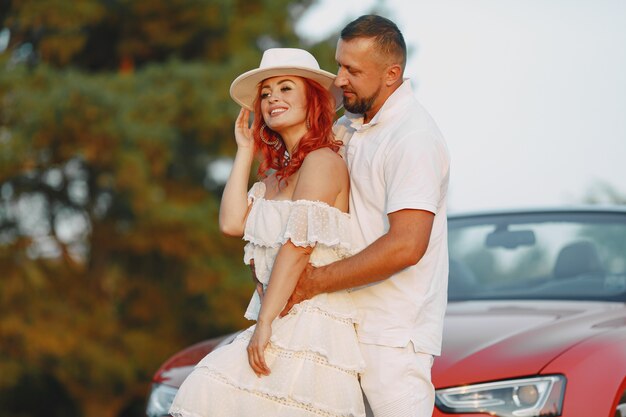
399	160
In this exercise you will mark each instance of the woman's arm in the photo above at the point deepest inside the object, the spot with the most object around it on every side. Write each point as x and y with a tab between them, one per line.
321	178
234	205
290	262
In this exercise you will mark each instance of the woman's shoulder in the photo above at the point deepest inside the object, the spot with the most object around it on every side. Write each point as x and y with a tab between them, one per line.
323	176
324	157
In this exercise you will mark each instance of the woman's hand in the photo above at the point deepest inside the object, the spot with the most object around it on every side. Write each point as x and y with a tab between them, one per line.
256	348
243	133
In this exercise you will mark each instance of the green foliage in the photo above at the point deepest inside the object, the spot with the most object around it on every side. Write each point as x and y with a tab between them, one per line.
120	158
106	34
110	254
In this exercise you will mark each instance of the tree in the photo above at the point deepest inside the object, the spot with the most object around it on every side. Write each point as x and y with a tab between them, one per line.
109	250
108	34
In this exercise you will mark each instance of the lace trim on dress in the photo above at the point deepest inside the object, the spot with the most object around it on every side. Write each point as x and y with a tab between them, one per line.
321	204
271	223
258	190
307	355
290	402
181	412
348	318
304	329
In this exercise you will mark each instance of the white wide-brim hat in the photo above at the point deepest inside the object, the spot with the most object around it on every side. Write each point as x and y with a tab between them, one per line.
277	62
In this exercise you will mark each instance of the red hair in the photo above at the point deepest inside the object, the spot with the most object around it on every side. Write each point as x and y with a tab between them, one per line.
320	116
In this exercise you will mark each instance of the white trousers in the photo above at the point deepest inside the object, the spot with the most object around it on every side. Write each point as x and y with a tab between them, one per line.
396	381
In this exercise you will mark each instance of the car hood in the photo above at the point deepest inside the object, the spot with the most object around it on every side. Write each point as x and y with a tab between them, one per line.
492	340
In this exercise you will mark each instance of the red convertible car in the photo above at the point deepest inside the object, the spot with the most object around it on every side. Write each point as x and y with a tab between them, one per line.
536	319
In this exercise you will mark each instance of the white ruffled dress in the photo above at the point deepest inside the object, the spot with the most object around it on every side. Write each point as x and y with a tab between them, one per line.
313	354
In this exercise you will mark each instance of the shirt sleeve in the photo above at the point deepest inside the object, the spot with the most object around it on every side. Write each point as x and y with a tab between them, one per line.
416	172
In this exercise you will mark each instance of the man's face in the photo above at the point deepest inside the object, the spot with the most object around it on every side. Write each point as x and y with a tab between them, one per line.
360	75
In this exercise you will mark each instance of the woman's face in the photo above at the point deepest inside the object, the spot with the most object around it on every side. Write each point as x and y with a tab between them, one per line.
283	103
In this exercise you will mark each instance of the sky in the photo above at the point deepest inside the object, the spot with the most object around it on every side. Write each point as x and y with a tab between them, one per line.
529	94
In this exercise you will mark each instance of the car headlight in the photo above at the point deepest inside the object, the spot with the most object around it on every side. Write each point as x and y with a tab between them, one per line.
160	400
512	398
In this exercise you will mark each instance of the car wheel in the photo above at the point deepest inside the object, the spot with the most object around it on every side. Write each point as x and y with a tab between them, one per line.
620	411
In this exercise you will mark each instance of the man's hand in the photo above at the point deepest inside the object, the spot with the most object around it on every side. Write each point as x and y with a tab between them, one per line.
306	288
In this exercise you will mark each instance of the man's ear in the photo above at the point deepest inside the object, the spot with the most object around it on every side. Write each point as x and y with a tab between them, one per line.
393	74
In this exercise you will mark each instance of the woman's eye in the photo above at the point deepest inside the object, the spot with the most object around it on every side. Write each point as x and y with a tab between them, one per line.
285	88
264	95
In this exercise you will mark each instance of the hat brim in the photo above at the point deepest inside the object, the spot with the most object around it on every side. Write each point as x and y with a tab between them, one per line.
244	88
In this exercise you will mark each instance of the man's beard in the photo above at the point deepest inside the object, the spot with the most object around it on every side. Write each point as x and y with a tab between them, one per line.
361	105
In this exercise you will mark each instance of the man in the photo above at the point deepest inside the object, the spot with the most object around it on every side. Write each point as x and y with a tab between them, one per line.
399	168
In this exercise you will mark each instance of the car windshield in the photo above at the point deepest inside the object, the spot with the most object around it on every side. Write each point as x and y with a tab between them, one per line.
573	256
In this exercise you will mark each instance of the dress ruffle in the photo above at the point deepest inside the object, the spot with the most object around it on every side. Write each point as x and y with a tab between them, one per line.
313	353
256	191
306	365
297	382
307	328
264	261
271	223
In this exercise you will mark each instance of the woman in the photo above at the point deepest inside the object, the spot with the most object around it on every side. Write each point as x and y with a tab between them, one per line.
306	363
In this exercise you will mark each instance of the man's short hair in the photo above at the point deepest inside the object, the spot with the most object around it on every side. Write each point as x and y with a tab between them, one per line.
386	35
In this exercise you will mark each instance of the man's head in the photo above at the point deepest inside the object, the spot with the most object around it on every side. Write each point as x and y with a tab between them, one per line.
371	55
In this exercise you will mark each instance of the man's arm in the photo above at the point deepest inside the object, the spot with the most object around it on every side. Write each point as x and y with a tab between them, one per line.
402	246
